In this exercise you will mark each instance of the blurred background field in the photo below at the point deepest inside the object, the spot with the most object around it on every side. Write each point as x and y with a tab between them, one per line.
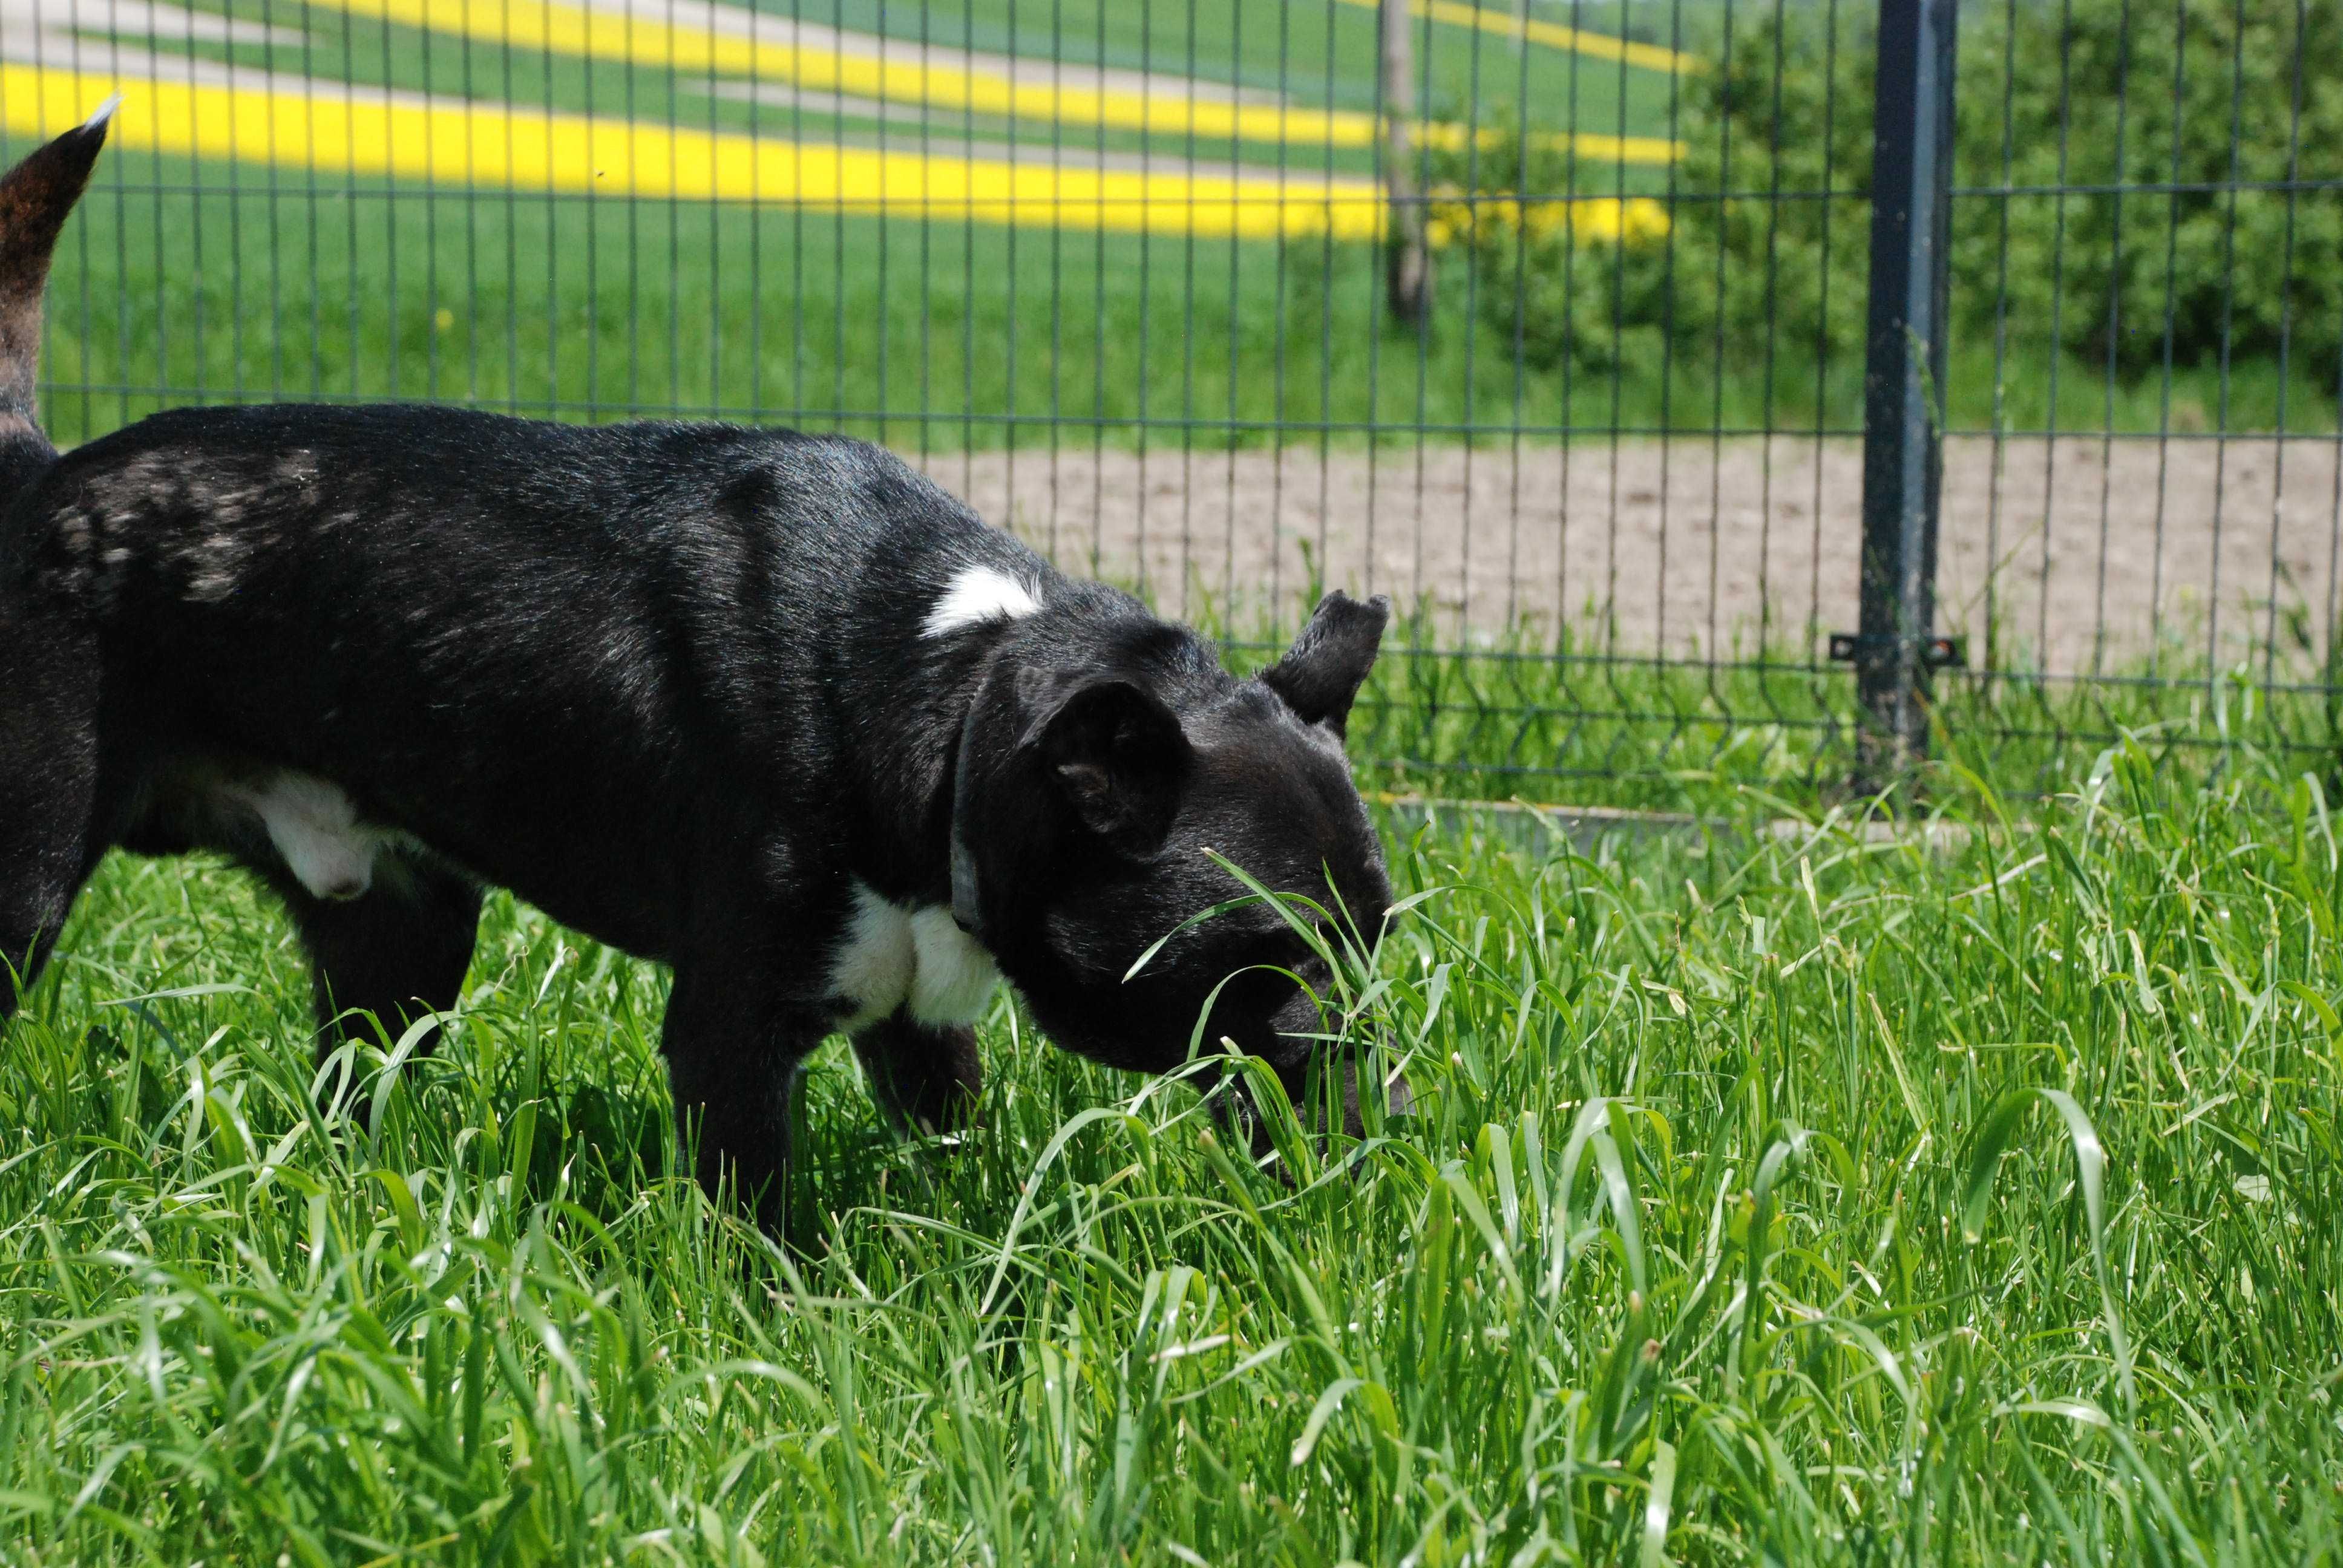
320	264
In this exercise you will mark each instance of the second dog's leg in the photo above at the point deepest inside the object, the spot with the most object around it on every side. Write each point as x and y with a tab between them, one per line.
393	954
924	1079
49	836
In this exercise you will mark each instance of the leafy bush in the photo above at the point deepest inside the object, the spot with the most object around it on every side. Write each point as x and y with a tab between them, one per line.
2175	130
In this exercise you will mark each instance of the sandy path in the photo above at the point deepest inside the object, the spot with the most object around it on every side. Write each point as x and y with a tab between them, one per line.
1685	545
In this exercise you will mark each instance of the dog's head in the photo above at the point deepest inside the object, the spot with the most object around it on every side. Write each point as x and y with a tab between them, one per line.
1107	782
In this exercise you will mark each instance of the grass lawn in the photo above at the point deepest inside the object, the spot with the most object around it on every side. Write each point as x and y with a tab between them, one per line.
1696	1249
181	281
1681	736
186	280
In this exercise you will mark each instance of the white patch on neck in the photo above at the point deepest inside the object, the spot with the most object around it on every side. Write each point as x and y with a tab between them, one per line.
952	977
977	595
872	968
893	955
315	827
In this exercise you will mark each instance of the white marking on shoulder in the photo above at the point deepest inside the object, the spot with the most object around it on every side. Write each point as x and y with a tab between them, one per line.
977	595
952	977
315	827
872	968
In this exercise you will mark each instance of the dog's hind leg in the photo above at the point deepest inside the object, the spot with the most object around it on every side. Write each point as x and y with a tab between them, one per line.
50	838
925	1079
391	955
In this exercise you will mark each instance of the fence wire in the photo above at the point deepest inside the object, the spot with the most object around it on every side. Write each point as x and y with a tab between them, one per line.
1123	276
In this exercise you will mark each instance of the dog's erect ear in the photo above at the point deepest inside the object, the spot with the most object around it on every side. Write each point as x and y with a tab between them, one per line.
1117	755
1321	675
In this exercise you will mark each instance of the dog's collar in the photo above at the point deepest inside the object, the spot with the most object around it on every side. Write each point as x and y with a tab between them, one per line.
968	913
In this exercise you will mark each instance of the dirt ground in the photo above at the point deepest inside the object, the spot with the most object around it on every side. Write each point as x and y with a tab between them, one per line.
2089	551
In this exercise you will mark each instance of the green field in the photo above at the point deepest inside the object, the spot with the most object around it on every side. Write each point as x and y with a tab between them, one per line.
1314	55
183	282
1696	1249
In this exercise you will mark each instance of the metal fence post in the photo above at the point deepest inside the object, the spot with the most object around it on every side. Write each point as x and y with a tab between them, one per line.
1902	455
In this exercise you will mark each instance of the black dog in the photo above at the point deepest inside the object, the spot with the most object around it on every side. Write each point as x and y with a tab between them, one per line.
768	707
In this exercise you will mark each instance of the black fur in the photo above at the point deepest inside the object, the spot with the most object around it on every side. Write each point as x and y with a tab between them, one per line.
672	683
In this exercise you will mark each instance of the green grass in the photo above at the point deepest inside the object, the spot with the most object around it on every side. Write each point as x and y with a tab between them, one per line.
1574	723
1697	1248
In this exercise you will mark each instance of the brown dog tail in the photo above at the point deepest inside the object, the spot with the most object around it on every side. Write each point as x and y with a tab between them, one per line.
34	198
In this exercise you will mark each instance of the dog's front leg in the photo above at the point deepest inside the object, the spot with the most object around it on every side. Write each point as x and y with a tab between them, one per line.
733	1051
925	1078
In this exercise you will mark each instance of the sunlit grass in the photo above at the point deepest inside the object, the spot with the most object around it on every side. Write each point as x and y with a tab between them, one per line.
1695	1249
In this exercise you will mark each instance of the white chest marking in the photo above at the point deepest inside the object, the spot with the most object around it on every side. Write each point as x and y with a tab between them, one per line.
315	828
893	956
952	977
978	593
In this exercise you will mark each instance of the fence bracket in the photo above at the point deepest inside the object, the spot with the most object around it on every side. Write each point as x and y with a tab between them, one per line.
1934	653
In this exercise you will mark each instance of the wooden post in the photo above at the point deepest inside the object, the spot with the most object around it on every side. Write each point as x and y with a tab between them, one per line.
1410	256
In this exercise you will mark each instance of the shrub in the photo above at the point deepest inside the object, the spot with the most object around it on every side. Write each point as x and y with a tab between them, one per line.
2216	108
2199	98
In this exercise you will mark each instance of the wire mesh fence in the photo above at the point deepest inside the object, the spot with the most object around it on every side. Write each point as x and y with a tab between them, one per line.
1551	319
